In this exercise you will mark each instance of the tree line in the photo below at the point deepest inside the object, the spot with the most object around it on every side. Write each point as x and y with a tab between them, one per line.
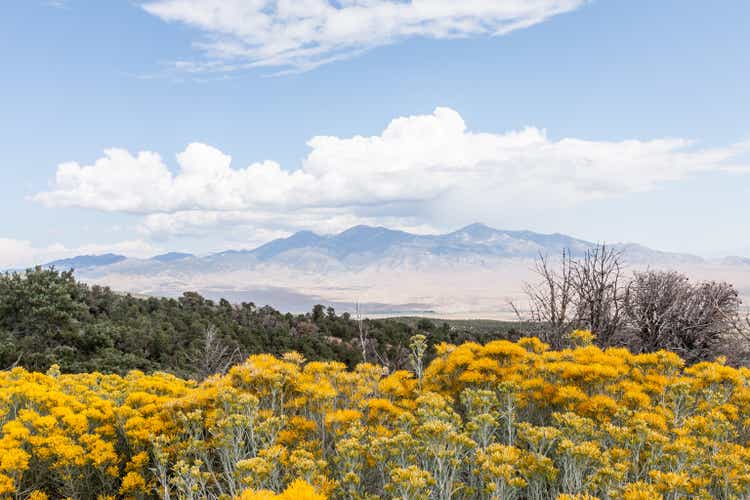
47	317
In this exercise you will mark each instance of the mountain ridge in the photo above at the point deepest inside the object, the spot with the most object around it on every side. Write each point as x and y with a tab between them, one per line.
87	261
363	243
472	272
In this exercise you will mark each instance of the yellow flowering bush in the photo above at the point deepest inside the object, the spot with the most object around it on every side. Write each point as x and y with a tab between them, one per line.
503	420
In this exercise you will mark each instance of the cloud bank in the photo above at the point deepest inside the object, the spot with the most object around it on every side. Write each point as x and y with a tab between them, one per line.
301	35
16	253
421	173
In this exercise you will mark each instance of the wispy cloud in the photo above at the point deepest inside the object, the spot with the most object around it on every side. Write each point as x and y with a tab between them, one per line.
296	35
422	171
58	4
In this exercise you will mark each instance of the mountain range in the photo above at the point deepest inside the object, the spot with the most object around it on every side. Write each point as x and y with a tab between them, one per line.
365	245
393	271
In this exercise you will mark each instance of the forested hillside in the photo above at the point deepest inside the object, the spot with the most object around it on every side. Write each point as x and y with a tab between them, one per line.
263	405
47	317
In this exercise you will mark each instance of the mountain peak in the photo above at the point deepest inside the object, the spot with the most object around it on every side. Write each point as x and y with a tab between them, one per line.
367	239
305	234
363	230
171	256
475	232
360	228
299	239
476	228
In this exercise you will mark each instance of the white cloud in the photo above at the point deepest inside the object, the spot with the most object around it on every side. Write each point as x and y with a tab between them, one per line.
422	172
303	34
13	253
16	254
250	229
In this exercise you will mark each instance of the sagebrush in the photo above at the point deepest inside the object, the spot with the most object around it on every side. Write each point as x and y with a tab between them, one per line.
502	420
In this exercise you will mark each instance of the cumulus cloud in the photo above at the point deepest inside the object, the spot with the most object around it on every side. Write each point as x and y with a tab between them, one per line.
305	34
16	254
419	169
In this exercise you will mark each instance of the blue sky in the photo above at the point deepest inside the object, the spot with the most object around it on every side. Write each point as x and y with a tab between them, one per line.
613	120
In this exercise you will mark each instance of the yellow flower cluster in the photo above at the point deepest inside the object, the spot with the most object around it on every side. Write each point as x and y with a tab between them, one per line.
502	420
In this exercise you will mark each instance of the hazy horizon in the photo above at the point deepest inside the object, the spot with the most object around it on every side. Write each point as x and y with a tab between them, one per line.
240	247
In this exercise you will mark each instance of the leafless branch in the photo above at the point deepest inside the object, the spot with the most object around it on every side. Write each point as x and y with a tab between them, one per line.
362	329
215	357
600	292
551	299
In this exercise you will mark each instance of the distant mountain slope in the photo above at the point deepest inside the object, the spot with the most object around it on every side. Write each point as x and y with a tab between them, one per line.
172	257
362	246
469	273
279	246
376	242
366	244
735	261
87	261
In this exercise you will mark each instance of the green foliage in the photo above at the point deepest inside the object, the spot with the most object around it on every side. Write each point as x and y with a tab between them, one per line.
47	317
